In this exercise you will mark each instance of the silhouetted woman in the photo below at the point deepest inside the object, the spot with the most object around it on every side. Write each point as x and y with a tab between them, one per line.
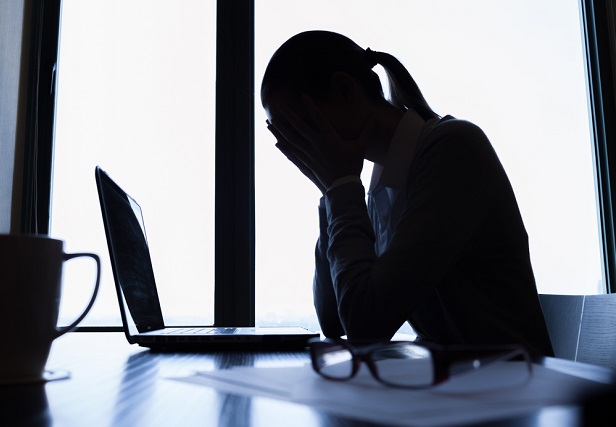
440	242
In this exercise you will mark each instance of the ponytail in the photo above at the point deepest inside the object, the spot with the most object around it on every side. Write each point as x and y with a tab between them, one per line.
404	92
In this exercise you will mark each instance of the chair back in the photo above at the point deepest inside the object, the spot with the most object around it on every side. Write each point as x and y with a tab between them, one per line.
582	327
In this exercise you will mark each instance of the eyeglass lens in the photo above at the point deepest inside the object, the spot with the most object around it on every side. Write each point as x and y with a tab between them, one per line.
403	364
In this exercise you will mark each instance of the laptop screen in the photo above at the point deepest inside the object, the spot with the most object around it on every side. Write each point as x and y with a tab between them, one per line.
130	256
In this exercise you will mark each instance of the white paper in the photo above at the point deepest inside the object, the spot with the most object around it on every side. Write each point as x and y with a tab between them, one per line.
365	399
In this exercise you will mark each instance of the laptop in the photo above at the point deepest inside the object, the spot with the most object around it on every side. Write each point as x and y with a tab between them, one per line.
140	308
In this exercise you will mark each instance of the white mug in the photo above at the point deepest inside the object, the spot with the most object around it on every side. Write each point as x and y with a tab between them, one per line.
30	289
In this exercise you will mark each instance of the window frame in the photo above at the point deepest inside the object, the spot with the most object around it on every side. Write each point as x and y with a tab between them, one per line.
44	27
235	190
600	49
234	287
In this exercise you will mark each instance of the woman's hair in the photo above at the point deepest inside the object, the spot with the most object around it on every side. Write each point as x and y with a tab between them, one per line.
307	62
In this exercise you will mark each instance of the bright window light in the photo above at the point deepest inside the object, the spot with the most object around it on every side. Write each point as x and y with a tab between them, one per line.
136	95
513	67
136	88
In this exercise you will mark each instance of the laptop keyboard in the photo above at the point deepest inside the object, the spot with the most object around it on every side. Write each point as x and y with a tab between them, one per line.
198	331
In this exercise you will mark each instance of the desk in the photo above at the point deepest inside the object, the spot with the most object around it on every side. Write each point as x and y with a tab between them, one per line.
115	384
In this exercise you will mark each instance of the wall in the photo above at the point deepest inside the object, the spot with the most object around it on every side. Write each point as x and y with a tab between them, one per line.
14	45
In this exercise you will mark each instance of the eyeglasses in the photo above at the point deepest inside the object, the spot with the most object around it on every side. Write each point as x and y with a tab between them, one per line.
406	364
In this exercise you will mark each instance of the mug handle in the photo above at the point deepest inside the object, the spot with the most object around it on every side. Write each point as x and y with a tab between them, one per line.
65	329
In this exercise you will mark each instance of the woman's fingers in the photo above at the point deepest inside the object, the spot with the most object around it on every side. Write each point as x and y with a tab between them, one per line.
290	154
298	132
287	132
289	145
274	131
316	115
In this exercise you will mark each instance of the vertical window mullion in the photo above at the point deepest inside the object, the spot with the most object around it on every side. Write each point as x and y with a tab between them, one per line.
598	23
234	223
40	117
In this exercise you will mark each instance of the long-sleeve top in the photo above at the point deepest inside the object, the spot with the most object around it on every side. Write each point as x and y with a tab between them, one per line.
440	243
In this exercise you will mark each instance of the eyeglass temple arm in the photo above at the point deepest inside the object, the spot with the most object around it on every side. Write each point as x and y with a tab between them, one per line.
457	361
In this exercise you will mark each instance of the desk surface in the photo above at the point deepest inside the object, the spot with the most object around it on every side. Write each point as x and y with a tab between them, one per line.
115	384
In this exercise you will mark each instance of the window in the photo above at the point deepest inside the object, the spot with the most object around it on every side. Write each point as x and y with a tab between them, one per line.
136	92
515	68
136	95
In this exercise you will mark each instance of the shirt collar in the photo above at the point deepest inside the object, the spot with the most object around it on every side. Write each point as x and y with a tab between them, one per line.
393	172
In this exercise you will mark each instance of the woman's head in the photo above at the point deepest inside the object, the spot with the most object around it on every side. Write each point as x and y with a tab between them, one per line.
307	63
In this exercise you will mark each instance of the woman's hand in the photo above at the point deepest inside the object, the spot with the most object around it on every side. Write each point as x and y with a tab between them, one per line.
288	150
318	151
